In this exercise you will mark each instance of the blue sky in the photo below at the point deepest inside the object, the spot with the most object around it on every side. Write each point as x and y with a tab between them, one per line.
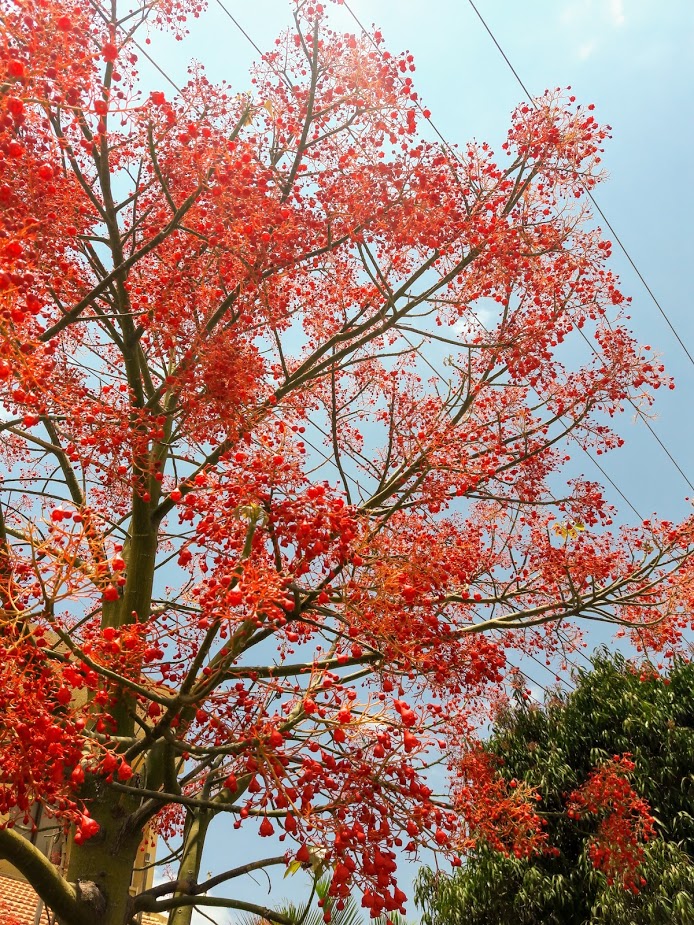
635	60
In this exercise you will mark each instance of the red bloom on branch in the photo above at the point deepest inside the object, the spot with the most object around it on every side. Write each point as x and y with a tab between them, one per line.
109	51
624	819
248	551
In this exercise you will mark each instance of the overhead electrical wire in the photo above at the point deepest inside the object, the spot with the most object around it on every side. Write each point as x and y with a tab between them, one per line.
600	212
155	65
449	147
455	155
645	420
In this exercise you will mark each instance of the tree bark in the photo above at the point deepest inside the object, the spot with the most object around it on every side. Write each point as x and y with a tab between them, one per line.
107	860
189	869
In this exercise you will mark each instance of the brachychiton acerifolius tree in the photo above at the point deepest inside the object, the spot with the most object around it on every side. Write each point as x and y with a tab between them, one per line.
259	562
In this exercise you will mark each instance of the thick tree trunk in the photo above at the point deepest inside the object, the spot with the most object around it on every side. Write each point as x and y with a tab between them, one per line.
107	860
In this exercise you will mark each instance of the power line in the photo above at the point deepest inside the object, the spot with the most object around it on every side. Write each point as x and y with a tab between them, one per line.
452	151
645	420
662	445
454	154
155	65
242	30
600	212
569	434
608	478
622	248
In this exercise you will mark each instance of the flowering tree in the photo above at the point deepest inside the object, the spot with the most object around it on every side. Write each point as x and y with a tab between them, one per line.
204	612
620	835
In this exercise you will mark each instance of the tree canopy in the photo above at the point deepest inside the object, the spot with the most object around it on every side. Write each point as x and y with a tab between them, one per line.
615	711
263	554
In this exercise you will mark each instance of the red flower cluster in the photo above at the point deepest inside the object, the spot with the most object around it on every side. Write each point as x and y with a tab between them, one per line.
624	820
500	813
253	544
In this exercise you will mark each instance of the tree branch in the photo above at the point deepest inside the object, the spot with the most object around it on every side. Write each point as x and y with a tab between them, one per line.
57	894
200	888
177	901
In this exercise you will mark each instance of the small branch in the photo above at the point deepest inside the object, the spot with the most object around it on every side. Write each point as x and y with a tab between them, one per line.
157	170
270	914
119	271
197	889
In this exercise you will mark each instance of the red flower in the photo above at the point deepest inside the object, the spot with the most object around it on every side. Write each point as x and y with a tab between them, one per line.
109	51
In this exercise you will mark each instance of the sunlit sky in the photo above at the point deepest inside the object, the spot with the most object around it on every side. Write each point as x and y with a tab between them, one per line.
635	60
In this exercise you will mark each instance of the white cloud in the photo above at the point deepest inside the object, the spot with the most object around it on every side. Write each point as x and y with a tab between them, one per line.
617	12
586	49
487	313
589	20
588	12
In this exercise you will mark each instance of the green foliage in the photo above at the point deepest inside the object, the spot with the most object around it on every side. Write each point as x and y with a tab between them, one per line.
667	895
613	710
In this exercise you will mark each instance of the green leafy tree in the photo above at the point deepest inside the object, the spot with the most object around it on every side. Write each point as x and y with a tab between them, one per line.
613	711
